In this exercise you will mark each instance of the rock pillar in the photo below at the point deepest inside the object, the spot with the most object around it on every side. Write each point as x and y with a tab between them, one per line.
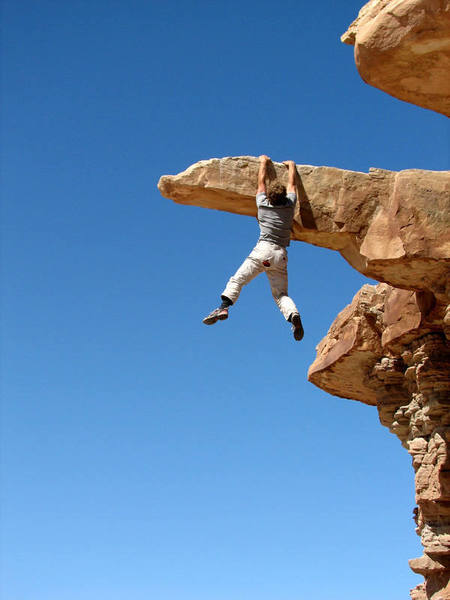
419	380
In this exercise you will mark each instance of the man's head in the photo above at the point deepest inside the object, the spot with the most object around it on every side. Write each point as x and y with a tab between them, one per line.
276	193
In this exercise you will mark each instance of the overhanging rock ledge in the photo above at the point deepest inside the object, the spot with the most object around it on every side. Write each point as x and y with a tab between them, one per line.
390	226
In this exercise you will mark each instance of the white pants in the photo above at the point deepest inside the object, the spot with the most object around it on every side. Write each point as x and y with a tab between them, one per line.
272	259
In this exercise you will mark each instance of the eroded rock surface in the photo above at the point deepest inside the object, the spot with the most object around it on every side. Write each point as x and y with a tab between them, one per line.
390	226
390	348
403	48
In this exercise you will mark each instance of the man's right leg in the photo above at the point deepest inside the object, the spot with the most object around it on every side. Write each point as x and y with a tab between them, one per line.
249	269
278	279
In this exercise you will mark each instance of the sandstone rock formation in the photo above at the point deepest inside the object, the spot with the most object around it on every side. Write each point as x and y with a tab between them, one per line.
390	226
398	340
403	48
390	347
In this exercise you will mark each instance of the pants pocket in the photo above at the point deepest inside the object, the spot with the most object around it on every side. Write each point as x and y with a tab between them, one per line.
279	259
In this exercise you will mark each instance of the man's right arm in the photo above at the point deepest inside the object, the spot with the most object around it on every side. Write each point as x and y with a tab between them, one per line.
263	160
290	188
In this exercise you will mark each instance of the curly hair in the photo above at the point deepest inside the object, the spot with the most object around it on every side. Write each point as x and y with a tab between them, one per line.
276	193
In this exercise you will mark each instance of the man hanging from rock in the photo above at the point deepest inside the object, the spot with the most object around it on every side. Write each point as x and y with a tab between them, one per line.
275	216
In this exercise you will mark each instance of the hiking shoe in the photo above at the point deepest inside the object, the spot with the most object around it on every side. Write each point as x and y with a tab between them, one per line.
297	327
218	314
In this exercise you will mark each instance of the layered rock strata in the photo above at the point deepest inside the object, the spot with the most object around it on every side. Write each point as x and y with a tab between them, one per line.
403	48
390	347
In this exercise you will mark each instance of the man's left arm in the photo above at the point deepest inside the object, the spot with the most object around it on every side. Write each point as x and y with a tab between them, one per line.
263	161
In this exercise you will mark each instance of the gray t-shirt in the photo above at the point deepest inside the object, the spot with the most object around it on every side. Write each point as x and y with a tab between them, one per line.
275	222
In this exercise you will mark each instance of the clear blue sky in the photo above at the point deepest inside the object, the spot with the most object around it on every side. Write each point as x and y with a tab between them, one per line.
144	455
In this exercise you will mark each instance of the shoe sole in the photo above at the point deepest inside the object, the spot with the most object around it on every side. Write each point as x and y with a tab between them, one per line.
298	328
210	320
214	319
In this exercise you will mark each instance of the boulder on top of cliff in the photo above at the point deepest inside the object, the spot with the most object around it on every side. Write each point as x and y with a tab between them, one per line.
403	48
390	226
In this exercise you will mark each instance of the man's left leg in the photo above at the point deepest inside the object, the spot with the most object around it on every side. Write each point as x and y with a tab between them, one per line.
220	313
246	272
